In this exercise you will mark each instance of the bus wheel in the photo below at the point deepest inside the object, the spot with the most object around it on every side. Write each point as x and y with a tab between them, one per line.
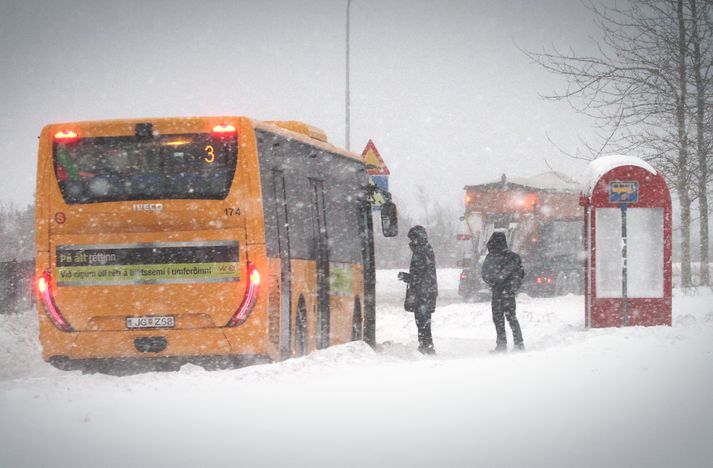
301	328
357	321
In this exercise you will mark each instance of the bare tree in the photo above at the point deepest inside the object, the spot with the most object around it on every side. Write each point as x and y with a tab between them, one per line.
702	67
636	88
683	179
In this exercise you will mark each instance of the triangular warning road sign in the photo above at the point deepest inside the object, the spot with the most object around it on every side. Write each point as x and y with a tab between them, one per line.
372	158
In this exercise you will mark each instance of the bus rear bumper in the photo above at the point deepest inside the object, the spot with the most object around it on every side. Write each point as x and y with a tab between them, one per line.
146	344
134	365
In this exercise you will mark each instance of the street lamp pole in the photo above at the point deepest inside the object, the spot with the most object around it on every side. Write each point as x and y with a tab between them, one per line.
348	110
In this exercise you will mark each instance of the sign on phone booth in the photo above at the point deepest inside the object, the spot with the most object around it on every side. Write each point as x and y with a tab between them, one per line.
627	222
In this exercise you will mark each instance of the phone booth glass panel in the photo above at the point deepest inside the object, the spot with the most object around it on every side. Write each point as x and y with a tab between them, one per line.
645	252
608	253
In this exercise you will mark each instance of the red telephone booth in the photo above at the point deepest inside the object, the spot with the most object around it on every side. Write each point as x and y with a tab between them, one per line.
627	217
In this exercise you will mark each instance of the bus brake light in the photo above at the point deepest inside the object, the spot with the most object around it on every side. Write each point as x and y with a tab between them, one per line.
43	285
255	277
251	291
65	135
223	129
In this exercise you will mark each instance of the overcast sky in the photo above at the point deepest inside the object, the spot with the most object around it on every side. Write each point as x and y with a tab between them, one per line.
439	86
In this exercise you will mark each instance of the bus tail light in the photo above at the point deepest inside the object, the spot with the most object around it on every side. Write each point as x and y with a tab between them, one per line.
251	291
224	129
43	286
66	135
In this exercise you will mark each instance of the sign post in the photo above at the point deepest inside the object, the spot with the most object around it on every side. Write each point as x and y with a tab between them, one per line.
624	272
376	167
624	192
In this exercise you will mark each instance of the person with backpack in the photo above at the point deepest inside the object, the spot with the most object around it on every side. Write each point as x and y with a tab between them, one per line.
502	271
422	288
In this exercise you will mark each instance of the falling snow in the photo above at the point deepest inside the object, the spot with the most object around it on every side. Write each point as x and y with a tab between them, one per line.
576	397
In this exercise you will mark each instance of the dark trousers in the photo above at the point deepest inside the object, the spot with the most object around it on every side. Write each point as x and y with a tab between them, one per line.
423	323
503	304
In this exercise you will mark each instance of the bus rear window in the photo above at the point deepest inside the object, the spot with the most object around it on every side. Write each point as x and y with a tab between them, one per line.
190	166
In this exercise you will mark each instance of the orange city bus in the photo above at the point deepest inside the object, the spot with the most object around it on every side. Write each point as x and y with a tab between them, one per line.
201	238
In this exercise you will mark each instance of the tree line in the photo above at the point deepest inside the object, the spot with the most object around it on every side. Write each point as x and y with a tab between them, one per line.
17	231
441	223
649	88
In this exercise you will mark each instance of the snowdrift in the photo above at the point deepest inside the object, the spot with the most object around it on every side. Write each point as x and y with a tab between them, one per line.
586	398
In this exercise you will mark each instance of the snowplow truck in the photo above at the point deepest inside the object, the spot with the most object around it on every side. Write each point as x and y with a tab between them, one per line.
542	221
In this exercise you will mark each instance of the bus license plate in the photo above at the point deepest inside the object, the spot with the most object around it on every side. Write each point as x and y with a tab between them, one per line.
156	321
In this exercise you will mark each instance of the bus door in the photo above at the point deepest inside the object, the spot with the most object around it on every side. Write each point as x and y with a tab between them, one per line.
283	245
367	248
319	223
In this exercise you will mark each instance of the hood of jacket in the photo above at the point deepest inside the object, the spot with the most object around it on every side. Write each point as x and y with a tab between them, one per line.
417	236
497	242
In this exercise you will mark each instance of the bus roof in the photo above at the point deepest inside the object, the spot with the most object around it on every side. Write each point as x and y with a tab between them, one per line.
290	129
285	128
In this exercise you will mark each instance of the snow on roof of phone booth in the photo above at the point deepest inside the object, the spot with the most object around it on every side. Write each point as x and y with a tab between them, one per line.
603	164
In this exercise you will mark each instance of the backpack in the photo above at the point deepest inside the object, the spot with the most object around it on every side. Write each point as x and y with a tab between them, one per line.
515	278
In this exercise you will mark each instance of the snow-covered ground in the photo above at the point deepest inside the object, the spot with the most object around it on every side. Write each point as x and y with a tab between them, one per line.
635	397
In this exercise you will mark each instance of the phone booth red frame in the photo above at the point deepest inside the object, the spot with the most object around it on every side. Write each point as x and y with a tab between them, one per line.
627	223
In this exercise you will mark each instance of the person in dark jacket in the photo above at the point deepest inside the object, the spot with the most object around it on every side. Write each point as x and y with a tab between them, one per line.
422	287
502	271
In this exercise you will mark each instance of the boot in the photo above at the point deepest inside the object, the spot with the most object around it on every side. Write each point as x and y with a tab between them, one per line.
428	350
499	348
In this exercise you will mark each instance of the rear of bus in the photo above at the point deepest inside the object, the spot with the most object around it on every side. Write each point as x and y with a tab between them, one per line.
149	240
